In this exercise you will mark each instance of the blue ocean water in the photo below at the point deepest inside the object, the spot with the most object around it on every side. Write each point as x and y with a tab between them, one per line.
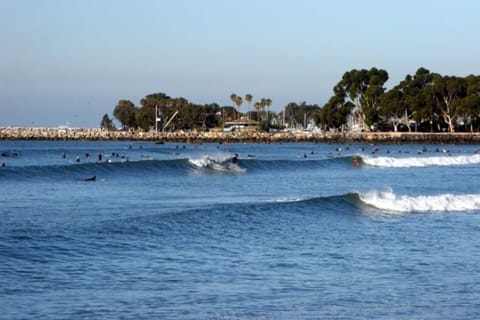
289	231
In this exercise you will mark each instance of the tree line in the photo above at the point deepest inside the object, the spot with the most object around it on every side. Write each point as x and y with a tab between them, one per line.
158	110
425	102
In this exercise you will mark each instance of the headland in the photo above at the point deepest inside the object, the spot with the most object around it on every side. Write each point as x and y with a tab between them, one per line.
250	136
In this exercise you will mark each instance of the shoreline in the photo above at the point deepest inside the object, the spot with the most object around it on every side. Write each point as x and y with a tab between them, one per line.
78	134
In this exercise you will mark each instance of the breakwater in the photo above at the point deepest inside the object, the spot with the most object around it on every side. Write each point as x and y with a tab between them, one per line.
95	134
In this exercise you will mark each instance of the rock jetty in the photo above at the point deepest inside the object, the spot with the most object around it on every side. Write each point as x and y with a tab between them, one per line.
236	136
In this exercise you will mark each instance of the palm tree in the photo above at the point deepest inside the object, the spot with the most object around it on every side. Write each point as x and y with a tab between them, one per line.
233	97
258	107
268	103
238	102
262	104
248	98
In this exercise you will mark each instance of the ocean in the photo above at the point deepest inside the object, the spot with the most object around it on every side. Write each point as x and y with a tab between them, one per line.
288	231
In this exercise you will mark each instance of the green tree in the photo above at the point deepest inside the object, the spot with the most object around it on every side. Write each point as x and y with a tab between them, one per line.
448	93
125	112
364	88
418	98
238	103
262	105
471	106
393	107
146	116
334	114
233	98
268	103
400	104
298	114
107	123
248	98
369	100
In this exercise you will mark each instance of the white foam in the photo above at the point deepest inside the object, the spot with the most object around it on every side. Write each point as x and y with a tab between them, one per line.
285	200
203	162
401	203
217	164
392	162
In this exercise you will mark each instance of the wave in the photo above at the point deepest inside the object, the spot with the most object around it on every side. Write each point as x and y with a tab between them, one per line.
389	201
82	170
219	164
208	164
391	162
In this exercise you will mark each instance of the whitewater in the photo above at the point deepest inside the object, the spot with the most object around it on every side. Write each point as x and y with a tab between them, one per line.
406	162
238	231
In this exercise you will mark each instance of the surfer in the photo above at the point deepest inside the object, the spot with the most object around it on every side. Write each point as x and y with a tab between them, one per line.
90	179
10	155
356	163
235	158
99	157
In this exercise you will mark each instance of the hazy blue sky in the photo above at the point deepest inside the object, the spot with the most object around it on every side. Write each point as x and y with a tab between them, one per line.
72	60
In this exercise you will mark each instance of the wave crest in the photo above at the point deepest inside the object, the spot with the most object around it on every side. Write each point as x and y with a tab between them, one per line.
391	162
401	203
221	164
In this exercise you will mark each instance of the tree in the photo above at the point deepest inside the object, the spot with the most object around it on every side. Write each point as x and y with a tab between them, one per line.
363	88
405	100
125	112
248	98
334	114
268	102
418	98
448	93
146	116
238	102
233	97
107	123
369	100
262	104
298	114
471	106
393	107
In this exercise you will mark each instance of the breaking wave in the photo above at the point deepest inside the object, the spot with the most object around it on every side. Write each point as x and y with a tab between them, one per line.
391	162
220	164
380	202
390	201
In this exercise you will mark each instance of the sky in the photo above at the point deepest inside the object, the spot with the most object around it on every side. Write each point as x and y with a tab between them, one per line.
70	62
